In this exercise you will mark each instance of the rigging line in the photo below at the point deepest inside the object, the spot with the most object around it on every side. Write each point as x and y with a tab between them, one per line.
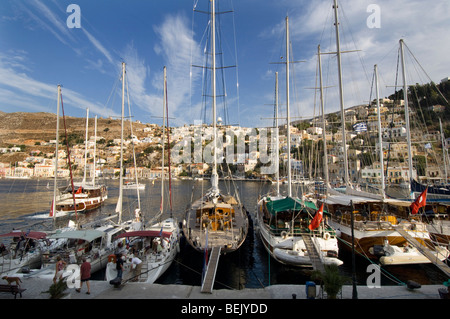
387	274
354	42
425	73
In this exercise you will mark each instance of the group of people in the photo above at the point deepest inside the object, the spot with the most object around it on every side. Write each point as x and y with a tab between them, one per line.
85	273
135	262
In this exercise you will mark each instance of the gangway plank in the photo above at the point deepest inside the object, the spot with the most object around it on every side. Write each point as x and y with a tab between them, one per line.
313	254
210	275
424	251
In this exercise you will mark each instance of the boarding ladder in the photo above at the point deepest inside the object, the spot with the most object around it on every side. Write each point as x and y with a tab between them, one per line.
313	254
424	250
210	275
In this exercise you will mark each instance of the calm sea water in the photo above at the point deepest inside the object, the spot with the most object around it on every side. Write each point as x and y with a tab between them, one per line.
249	267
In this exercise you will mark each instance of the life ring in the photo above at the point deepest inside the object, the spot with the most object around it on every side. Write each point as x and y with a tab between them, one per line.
284	234
326	236
112	258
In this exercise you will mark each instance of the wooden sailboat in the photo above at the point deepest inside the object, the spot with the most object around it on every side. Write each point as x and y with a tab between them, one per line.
215	220
284	223
81	196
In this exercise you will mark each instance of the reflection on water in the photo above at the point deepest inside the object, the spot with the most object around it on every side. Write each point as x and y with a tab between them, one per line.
250	266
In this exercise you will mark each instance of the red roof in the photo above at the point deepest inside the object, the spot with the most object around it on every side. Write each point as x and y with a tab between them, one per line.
31	234
145	233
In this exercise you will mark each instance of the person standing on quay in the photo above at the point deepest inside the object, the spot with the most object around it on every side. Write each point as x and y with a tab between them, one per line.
85	272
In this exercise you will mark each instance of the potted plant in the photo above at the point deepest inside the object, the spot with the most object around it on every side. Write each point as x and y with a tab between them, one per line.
331	279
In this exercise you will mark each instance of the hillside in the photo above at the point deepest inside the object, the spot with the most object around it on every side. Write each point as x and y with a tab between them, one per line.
30	129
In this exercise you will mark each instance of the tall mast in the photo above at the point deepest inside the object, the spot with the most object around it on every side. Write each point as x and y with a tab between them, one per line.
341	94
277	176
214	176
443	151
380	138
287	111
119	203
325	159
95	151
163	141
405	97
55	187
86	145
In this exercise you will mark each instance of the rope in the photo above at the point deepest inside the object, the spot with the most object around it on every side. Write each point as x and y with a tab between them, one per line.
384	272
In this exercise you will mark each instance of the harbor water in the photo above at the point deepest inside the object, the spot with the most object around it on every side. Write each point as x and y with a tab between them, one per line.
249	267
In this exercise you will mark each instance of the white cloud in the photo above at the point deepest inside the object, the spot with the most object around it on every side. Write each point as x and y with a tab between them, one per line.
179	51
99	46
33	94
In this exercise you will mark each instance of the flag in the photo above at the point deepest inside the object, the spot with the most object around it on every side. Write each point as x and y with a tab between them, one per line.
79	190
51	209
360	127
317	219
421	201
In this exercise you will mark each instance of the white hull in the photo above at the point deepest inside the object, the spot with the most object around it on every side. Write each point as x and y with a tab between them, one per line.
154	263
291	250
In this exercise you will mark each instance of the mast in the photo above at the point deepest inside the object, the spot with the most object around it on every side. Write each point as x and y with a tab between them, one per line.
55	187
163	141
119	202
288	117
214	176
380	138
277	146
341	94
86	146
443	151
325	160
95	150
408	132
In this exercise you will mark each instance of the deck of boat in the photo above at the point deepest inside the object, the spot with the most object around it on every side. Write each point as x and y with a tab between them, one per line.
219	223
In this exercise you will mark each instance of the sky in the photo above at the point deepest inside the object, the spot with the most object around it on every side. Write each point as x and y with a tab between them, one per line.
41	46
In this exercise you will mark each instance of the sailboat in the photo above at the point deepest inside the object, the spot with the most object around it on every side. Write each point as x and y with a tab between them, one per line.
215	220
369	220
285	223
156	244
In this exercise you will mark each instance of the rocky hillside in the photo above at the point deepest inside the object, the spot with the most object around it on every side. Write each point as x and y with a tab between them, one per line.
31	129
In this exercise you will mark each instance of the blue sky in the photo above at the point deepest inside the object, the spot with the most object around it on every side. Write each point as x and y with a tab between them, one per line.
39	51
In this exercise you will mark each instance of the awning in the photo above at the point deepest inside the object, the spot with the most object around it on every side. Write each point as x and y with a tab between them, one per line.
145	233
287	204
31	234
88	235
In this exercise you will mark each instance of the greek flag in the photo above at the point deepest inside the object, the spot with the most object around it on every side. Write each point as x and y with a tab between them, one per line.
360	127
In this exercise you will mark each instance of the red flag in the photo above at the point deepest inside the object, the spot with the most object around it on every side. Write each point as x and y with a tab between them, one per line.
79	190
51	210
421	201
317	219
